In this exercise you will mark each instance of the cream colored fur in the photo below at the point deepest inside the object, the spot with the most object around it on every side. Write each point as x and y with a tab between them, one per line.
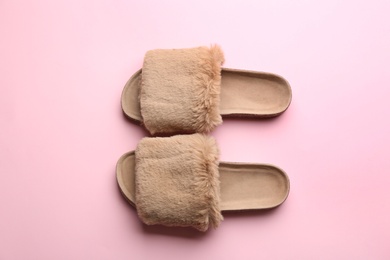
177	181
180	90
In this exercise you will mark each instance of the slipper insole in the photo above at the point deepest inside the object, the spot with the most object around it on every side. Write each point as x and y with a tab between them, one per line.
243	186
243	94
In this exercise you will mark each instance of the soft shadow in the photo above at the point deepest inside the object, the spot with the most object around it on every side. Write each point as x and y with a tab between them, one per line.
137	123
264	213
264	120
183	232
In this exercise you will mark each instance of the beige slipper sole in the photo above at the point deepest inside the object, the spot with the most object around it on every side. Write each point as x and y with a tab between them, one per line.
242	186
243	94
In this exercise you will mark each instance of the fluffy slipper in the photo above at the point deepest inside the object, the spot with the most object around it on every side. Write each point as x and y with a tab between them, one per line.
178	181
185	91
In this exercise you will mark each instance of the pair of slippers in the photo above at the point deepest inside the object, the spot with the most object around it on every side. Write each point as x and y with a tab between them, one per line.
178	180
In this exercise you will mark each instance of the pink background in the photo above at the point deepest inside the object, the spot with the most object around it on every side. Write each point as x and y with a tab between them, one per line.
64	63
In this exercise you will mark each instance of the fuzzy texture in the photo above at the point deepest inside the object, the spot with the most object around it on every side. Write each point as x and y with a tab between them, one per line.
177	181
180	90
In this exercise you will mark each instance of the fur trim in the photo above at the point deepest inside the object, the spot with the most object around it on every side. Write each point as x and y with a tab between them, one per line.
207	179
208	88
180	90
177	181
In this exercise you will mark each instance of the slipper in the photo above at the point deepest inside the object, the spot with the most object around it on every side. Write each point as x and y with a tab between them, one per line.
185	91
176	181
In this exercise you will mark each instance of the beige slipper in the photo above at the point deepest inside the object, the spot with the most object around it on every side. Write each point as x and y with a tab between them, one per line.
185	91
176	181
